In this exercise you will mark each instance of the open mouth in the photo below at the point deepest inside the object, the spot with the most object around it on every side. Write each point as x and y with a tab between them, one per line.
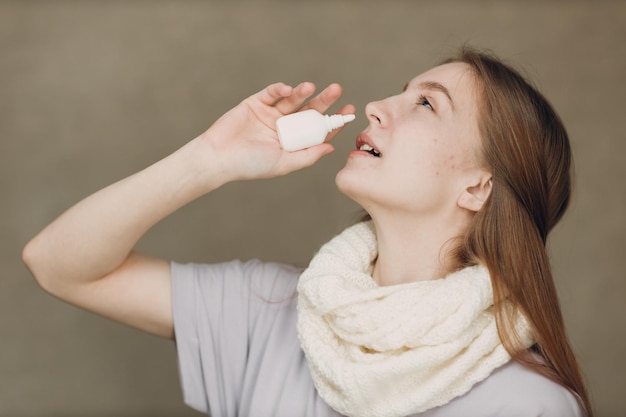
367	148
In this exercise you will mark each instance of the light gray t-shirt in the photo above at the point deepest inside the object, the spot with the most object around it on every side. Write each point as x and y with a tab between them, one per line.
239	353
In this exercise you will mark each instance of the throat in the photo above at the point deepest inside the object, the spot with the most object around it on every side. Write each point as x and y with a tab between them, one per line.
410	256
386	275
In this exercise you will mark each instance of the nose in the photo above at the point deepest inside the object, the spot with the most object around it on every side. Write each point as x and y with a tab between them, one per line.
375	113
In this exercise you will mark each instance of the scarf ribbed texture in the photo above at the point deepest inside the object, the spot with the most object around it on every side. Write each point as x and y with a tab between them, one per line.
394	350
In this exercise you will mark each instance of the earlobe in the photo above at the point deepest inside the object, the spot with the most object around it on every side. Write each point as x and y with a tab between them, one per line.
474	196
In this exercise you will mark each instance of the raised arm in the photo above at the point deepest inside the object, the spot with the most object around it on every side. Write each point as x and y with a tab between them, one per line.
86	257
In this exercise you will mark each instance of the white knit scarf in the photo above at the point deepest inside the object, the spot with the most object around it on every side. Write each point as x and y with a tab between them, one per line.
394	350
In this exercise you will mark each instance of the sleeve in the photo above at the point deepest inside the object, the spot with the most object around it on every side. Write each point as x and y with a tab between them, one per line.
215	310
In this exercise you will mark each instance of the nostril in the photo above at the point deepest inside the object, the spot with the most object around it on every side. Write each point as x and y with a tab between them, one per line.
372	111
375	118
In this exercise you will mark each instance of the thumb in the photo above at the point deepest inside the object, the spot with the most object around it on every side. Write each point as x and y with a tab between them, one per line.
307	157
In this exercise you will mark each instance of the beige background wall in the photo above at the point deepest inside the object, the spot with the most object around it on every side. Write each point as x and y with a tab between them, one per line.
93	91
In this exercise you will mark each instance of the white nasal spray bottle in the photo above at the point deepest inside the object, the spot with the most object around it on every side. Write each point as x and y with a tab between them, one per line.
308	128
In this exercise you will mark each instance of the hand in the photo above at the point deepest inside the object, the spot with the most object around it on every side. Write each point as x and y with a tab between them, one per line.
244	141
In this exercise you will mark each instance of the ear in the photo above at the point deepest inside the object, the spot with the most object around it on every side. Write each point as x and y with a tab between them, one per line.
474	195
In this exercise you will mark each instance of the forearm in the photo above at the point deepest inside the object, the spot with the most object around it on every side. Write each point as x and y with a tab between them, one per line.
95	236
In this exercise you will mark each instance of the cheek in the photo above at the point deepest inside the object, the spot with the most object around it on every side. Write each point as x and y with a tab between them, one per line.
452	162
438	158
451	157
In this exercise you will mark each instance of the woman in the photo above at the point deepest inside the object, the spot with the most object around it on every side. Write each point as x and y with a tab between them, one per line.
418	310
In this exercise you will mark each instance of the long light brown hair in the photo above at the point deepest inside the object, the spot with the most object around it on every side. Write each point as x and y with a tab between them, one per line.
526	148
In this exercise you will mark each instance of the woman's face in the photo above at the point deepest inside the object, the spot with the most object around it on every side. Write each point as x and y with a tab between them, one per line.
420	148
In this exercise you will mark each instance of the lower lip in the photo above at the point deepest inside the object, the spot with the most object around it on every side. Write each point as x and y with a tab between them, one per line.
358	152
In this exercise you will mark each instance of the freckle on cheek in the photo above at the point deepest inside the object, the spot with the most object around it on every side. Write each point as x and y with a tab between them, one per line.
452	165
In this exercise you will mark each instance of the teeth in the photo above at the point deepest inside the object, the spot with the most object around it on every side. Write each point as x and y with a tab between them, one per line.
368	148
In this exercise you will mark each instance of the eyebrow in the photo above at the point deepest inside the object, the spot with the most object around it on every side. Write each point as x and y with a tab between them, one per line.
434	86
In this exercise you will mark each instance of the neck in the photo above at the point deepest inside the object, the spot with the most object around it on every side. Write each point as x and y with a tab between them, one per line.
415	249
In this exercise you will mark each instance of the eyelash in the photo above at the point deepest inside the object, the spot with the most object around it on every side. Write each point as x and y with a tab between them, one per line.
423	101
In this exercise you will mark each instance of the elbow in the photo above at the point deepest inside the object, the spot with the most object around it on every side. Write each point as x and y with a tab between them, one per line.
29	257
32	256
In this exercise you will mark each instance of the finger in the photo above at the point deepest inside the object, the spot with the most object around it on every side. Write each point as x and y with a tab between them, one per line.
325	98
306	157
347	109
295	100
274	92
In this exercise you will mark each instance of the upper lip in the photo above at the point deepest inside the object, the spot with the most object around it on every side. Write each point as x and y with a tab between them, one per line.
365	139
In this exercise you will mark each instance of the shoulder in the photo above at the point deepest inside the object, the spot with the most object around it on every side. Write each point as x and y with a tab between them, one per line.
531	391
234	268
513	391
268	278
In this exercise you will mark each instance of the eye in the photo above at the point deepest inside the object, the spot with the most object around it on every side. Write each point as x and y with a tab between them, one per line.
423	101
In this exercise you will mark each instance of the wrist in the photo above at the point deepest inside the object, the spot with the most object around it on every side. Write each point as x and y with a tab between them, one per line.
205	165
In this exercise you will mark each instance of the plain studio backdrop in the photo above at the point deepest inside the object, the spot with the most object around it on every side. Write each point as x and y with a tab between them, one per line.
91	92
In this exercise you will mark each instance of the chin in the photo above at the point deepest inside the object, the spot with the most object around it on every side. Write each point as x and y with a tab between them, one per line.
343	182
353	187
